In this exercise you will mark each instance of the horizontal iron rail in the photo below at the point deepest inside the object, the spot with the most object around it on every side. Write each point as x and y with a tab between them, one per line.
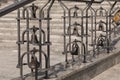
94	1
14	6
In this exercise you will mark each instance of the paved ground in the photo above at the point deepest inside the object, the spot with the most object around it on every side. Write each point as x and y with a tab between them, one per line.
8	70
8	62
114	72
111	74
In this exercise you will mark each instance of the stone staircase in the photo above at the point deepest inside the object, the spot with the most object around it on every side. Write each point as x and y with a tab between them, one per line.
4	3
8	26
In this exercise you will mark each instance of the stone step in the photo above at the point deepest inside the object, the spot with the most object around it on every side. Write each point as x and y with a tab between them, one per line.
5	3
13	46
55	23
71	4
55	47
59	10
53	38
8	32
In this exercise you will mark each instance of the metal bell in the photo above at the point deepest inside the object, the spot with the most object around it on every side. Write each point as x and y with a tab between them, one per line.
34	39
75	31
33	63
101	11
75	49
100	27
75	14
100	43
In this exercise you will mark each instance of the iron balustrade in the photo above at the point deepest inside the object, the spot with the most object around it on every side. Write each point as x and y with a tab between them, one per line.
34	36
37	36
99	13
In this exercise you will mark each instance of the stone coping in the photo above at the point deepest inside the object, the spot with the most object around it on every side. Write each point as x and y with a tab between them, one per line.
81	71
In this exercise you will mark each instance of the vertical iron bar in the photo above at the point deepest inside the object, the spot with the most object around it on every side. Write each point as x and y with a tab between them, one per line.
36	71
84	61
92	28
18	42
69	15
93	24
107	31
40	28
86	35
40	36
64	27
82	32
65	49
88	7
64	19
48	38
94	47
21	65
27	27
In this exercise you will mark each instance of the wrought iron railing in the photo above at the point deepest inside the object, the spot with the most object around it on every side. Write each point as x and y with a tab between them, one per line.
75	47
88	13
36	37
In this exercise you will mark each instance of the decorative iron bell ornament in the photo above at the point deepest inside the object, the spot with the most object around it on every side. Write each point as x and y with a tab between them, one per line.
75	29
75	49
33	9
34	39
101	11
101	26
101	41
75	14
34	63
